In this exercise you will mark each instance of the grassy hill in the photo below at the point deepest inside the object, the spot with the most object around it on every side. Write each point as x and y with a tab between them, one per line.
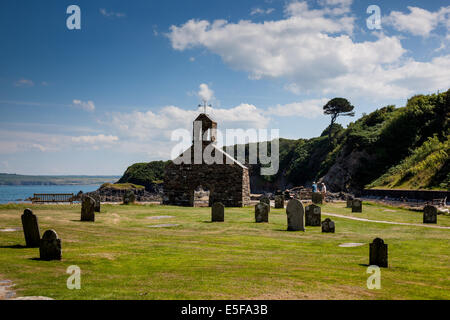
391	147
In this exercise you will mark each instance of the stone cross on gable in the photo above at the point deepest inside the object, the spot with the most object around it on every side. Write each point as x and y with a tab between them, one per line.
204	105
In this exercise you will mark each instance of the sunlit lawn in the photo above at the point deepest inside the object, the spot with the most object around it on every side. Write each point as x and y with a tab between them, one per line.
121	257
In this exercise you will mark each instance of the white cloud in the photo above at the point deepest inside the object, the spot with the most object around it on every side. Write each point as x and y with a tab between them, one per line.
98	139
259	11
306	109
313	52
112	14
85	105
24	83
205	93
418	21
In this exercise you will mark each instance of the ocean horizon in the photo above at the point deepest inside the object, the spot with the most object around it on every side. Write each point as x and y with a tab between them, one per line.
19	193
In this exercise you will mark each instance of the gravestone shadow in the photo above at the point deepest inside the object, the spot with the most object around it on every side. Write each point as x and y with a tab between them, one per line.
14	246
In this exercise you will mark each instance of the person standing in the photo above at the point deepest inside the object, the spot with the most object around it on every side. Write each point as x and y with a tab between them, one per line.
324	190
314	187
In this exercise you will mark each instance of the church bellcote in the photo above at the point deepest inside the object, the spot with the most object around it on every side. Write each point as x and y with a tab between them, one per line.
205	129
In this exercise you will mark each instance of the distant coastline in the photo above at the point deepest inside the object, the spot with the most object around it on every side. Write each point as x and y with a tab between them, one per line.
30	180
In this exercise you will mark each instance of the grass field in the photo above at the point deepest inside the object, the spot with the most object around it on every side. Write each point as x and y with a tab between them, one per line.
121	257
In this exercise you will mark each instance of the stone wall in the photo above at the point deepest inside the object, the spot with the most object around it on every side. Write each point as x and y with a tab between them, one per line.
226	183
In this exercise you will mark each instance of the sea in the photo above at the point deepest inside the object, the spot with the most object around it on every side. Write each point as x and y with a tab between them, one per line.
19	194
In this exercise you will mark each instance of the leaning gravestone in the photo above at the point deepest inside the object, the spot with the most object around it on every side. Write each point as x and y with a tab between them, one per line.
50	248
129	197
430	214
317	198
262	212
279	202
378	254
313	215
31	229
87	209
328	226
96	198
295	215
356	205
218	212
266	200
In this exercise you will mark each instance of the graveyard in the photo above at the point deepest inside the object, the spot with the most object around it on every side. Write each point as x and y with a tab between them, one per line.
141	251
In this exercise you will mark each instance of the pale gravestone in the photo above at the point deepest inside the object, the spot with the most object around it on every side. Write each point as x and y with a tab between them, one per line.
279	201
430	214
328	226
317	198
313	215
31	229
87	209
262	212
50	248
266	200
218	212
378	255
356	205
295	215
129	197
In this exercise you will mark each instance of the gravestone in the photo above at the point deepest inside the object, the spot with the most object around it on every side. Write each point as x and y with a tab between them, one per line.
50	247
87	209
378	255
349	202
356	205
218	212
31	229
96	198
313	215
261	212
279	202
328	226
266	200
129	197
430	214
317	198
295	215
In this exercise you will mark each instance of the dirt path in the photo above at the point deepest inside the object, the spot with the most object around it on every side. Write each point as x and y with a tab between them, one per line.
387	222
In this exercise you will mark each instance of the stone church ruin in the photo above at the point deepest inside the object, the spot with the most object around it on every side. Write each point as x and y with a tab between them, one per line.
194	180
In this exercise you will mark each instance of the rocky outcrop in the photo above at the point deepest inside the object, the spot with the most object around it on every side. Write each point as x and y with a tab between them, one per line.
112	194
341	176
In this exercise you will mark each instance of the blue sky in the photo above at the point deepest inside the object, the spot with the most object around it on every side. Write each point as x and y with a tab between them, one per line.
95	100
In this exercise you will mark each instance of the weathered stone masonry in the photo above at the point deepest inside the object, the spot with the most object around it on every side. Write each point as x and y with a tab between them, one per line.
228	183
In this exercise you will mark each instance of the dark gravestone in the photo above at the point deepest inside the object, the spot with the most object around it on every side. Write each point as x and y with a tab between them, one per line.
96	198
50	248
261	212
266	200
87	209
430	214
356	205
218	212
349	202
313	215
31	229
129	197
328	226
279	201
317	198
295	215
378	255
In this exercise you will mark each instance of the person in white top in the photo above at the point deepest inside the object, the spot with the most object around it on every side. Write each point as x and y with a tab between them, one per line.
324	189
